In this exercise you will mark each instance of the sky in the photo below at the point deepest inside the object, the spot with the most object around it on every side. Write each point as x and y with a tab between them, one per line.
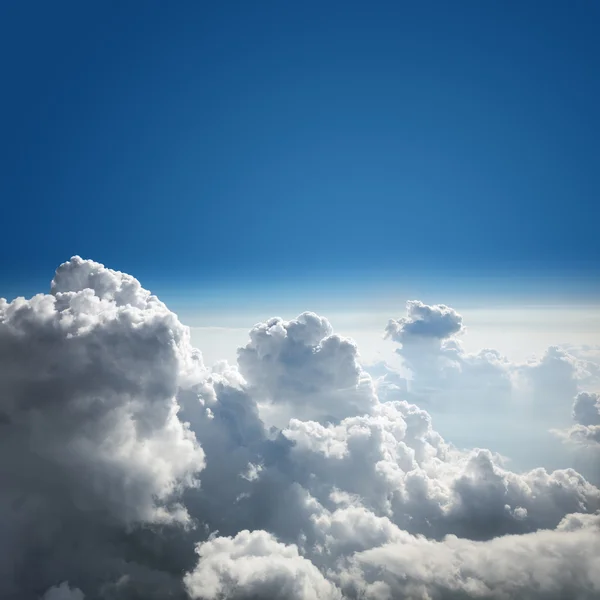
299	301
205	145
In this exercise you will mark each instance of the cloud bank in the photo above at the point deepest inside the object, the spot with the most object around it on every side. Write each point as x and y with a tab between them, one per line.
131	470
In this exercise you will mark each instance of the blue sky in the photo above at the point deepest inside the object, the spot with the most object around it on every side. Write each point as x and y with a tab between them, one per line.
208	144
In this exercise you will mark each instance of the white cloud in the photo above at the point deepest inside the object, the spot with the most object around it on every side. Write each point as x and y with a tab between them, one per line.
546	564
425	322
401	468
304	369
584	435
254	565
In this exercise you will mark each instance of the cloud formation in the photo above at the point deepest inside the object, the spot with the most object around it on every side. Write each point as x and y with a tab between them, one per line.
304	369
586	409
424	322
131	470
584	434
254	565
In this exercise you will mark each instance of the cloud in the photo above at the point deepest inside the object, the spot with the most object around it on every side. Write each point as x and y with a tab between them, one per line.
584	434
63	592
401	468
586	409
546	564
485	399
254	565
424	322
586	414
131	470
90	442
304	369
432	351
556	374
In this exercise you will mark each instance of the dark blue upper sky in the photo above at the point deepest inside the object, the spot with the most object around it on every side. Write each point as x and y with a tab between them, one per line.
187	142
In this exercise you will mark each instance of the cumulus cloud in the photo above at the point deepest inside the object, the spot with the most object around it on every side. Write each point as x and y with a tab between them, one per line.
131	470
586	409
91	440
586	415
424	322
429	343
401	468
305	370
431	348
546	564
584	434
254	565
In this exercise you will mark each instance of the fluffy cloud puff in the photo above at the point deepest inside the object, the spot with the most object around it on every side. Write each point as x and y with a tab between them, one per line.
584	434
398	466
303	369
586	415
130	470
424	322
546	564
254	565
586	409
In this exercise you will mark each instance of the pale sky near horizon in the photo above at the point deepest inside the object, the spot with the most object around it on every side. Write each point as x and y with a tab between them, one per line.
518	332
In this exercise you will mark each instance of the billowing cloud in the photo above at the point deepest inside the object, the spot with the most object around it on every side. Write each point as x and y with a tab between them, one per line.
401	468
557	564
424	322
429	344
584	435
254	565
304	369
586	409
91	442
130	470
586	415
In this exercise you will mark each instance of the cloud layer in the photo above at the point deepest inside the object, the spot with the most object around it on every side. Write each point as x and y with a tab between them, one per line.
131	470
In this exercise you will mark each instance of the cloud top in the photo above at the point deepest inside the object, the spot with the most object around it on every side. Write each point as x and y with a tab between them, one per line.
424	322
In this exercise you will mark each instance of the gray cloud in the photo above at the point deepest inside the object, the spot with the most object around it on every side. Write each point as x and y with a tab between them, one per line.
63	592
